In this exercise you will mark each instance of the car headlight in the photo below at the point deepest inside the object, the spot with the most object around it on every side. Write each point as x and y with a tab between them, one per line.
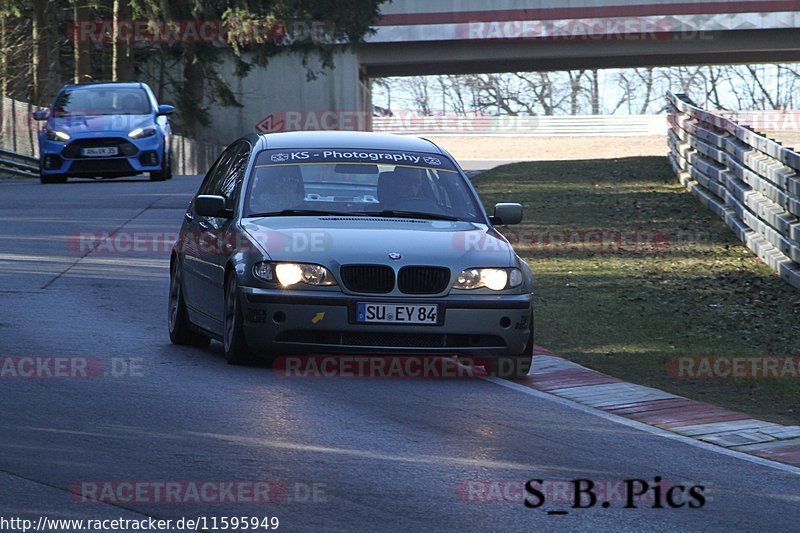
288	274
495	279
54	135
141	133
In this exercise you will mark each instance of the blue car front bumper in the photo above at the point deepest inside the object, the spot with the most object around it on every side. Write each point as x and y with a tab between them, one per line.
133	156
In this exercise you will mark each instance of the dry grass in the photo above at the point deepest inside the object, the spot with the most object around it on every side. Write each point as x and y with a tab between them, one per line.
627	309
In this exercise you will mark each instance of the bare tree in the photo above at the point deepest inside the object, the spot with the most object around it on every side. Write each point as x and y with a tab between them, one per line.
122	62
81	10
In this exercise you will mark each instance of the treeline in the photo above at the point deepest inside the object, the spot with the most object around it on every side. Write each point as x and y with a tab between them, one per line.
593	92
177	46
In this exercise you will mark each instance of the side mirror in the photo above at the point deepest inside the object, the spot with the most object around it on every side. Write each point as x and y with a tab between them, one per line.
506	214
41	114
207	205
165	110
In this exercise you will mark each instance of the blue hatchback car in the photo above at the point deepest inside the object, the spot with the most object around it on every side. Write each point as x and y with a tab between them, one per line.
104	130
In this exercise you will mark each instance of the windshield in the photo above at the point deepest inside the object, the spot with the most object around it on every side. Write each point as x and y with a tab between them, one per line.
102	101
358	182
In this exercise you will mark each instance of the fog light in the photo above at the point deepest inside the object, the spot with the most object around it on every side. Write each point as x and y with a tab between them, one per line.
149	158
51	161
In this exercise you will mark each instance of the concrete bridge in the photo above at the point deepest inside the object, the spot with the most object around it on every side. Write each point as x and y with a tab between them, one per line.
416	37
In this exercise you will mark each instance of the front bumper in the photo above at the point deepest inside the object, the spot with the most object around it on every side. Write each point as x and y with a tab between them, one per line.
56	159
280	321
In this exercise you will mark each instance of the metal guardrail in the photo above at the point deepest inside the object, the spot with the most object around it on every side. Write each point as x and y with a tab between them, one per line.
748	179
23	166
190	156
544	126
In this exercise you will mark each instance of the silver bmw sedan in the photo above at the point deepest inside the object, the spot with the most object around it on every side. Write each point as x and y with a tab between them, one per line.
348	243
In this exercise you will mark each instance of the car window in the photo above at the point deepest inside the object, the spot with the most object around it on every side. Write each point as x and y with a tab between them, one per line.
225	177
359	182
231	184
212	184
102	101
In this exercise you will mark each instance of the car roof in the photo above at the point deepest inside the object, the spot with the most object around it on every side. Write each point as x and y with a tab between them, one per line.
107	85
346	140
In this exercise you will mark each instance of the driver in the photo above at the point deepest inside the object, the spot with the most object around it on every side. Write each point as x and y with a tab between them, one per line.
409	182
131	104
276	189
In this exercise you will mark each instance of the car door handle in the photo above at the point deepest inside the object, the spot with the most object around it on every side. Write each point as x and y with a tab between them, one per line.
188	216
203	225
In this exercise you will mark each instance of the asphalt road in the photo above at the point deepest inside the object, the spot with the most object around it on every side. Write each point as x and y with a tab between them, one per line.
382	454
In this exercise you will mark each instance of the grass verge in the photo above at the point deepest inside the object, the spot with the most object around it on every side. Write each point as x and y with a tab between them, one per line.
631	272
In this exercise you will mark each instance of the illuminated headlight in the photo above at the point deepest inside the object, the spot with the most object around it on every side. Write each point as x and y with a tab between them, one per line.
140	133
288	274
495	279
54	135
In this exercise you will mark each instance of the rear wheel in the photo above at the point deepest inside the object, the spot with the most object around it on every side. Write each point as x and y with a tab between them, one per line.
236	350
180	330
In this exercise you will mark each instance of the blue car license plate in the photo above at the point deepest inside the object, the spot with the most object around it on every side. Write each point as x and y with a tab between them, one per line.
103	151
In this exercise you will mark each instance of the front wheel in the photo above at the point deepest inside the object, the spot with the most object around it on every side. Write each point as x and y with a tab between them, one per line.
180	331
236	350
165	173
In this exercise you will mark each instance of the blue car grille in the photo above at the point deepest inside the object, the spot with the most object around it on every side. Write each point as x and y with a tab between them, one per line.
88	166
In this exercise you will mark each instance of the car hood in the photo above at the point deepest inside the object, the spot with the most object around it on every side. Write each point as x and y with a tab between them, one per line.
99	123
331	241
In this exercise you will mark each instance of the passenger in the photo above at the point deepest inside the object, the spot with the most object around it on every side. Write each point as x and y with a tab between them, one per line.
277	189
409	182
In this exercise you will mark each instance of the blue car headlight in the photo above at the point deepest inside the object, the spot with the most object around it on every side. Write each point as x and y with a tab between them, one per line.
141	133
55	135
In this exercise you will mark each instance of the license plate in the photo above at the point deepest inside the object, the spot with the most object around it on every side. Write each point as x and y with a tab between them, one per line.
397	313
104	151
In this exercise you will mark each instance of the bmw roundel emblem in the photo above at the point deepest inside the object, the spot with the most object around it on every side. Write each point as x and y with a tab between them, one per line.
395	256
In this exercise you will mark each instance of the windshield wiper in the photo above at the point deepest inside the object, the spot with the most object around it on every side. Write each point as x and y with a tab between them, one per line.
298	213
410	214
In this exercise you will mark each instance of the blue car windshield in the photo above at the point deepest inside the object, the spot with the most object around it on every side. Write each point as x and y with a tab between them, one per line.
102	101
381	183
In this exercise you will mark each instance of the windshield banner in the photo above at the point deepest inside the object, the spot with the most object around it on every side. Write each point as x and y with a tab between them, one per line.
354	155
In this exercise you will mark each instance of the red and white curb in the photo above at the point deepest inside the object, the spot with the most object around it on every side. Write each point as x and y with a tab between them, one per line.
705	422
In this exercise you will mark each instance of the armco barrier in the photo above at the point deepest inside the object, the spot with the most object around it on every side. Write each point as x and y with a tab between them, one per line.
18	165
748	179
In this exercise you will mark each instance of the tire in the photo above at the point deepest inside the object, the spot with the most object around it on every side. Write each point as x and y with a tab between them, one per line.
180	330
48	179
514	366
236	350
166	169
